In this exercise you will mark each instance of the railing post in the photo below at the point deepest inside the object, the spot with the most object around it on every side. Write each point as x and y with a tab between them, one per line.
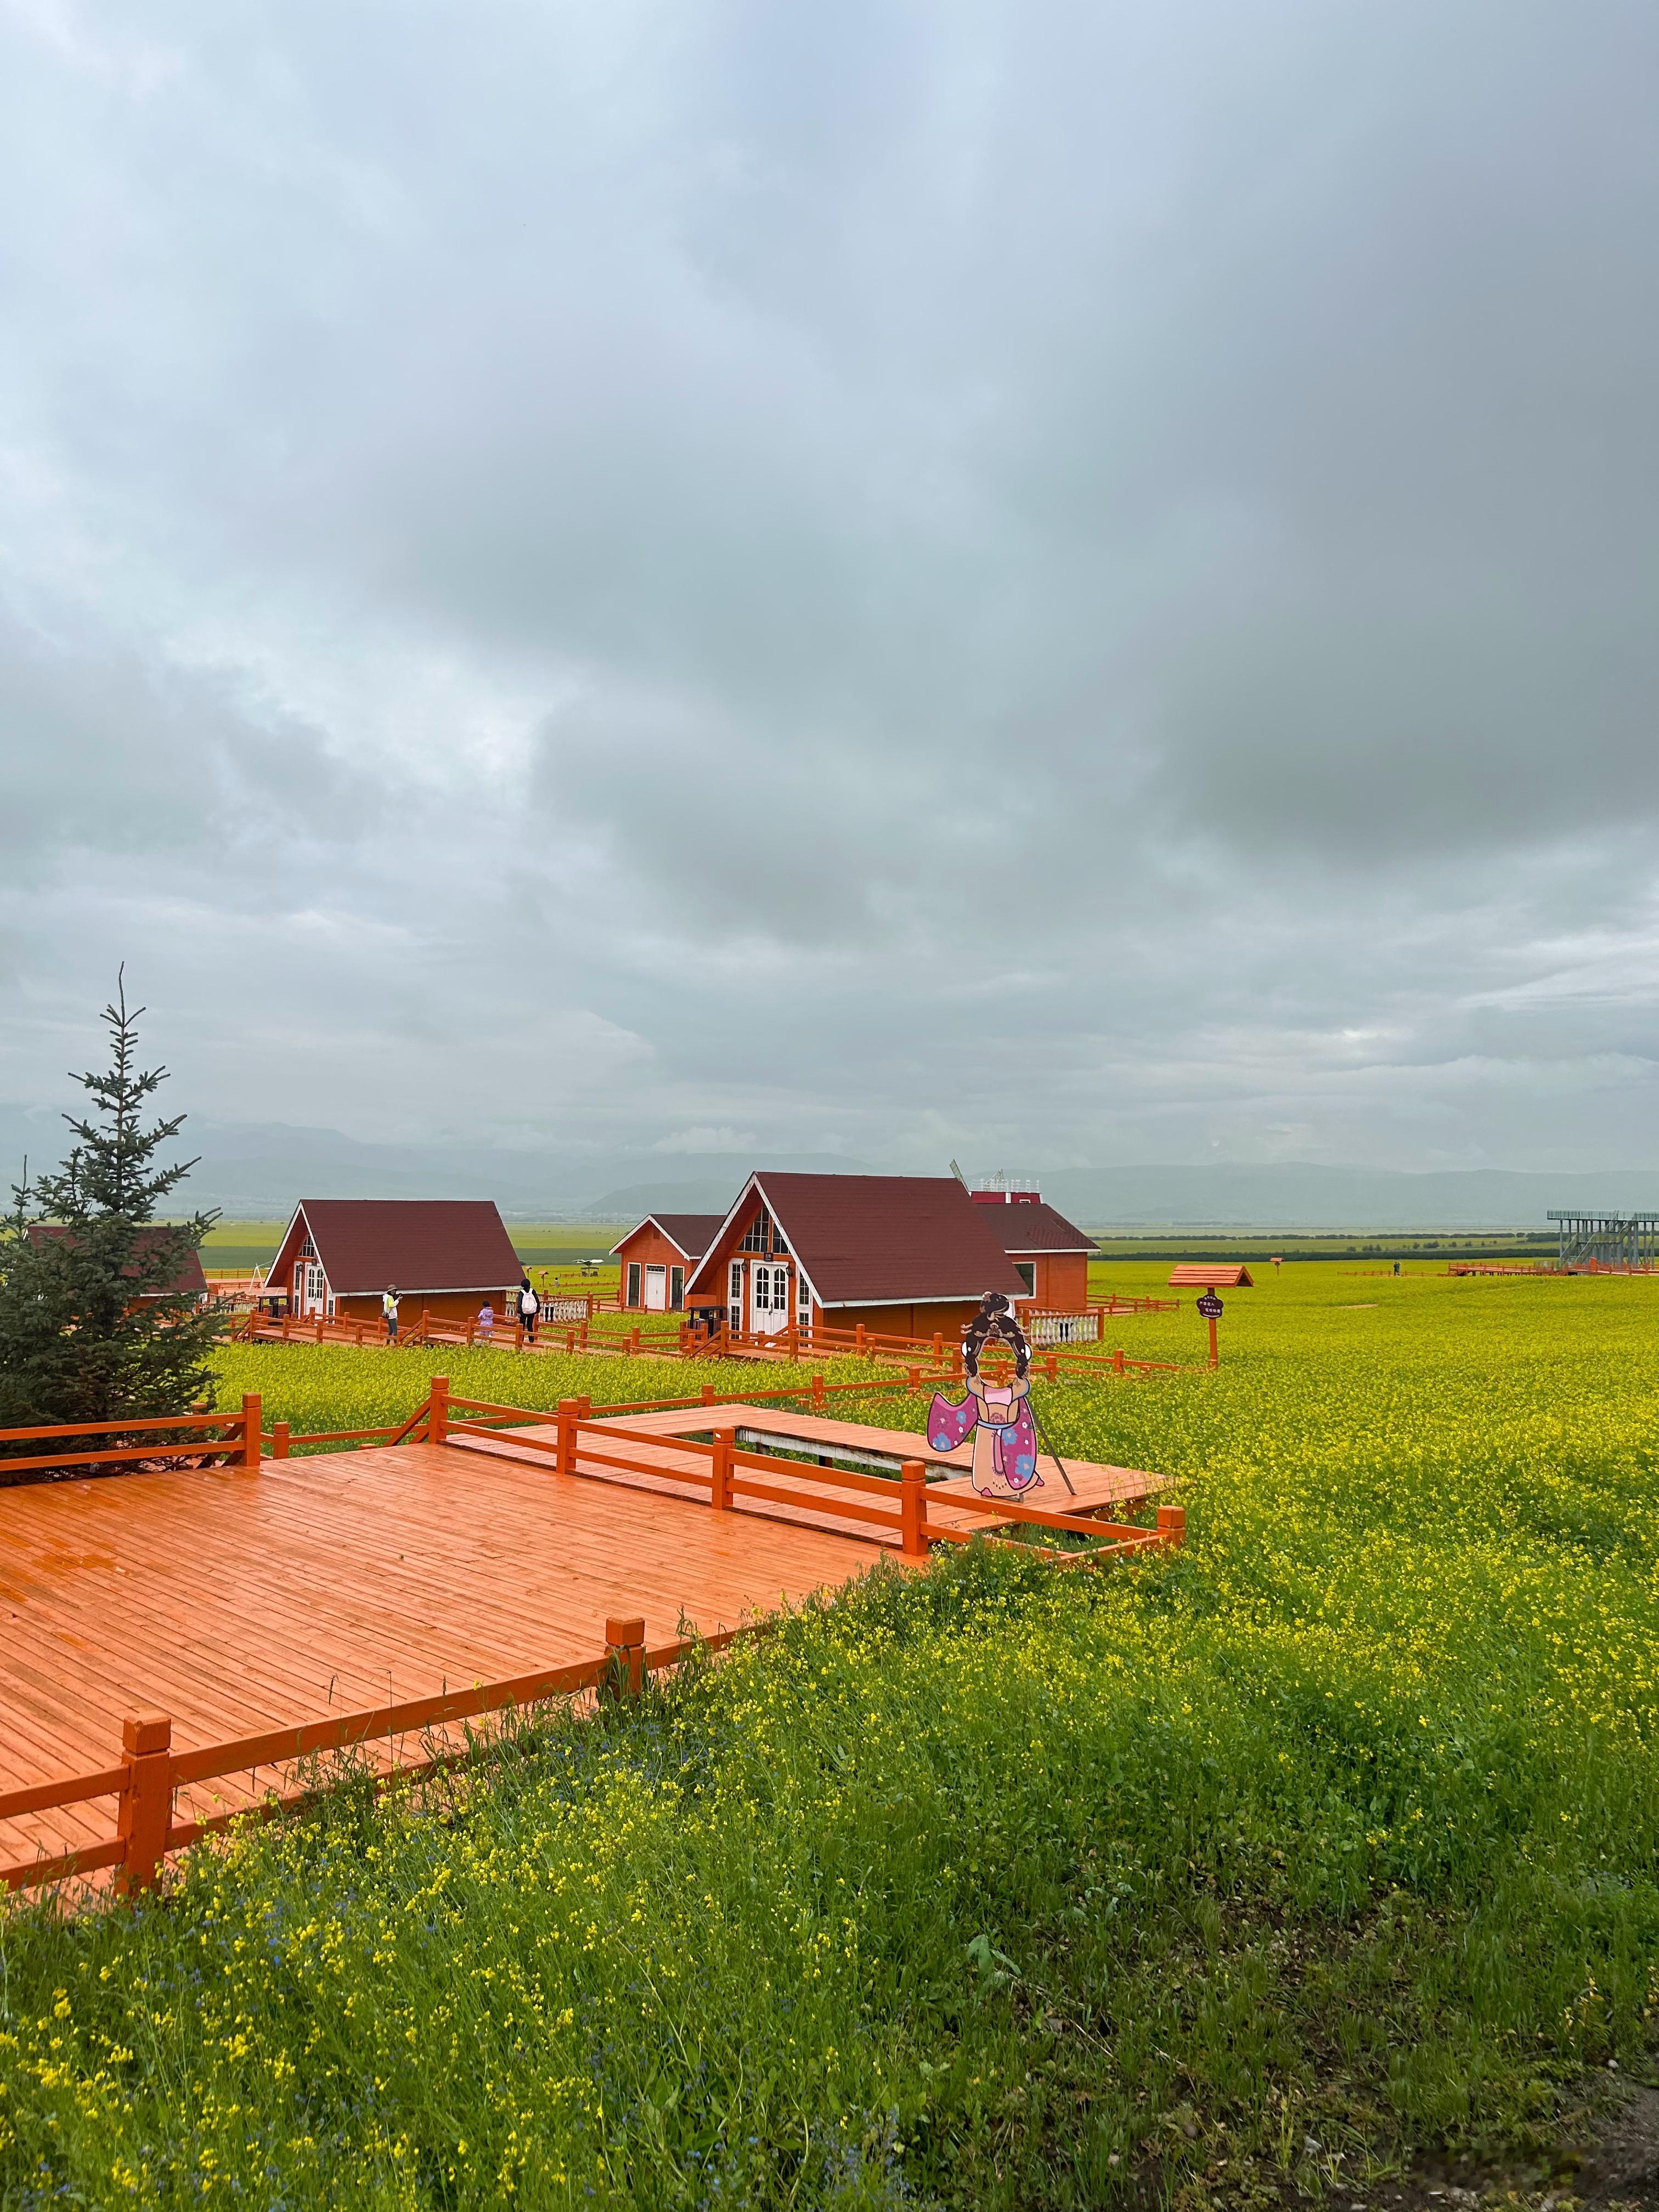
279	1440
252	1422
1172	1523
1117	1359
146	1805
437	1421
858	1338
708	1394
584	1407
956	1363
569	1413
721	1469
939	1346
624	1650
794	1340
913	1509
818	1394
633	1342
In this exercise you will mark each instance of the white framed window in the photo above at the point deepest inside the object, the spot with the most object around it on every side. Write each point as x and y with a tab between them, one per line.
803	1301
734	1295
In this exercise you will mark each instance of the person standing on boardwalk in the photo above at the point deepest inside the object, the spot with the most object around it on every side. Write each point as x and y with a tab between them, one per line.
487	1322
389	1309
529	1306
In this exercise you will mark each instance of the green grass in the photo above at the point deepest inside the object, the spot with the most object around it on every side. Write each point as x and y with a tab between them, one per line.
1338	1245
1330	1841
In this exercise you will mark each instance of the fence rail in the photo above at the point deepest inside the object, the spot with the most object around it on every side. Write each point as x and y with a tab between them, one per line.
658	1337
151	1774
193	1439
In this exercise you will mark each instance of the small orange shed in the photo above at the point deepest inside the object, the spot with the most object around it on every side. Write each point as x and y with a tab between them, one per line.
1226	1275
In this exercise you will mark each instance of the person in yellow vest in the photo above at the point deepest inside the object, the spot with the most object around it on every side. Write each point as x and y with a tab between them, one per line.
389	1310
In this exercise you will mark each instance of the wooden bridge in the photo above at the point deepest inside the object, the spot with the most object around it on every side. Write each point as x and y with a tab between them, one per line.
171	1641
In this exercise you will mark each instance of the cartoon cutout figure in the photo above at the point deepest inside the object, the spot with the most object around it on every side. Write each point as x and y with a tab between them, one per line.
998	1420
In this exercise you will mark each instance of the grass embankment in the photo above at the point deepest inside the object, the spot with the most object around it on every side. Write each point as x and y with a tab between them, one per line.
1331	1838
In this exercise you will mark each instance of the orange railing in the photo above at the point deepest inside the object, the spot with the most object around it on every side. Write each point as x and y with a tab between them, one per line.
724	1341
727	1472
670	1337
151	1774
190	1438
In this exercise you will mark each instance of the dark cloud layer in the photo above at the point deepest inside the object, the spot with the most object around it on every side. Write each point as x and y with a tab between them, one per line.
1047	582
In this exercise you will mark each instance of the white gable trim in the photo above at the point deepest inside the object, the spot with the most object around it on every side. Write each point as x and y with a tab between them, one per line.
654	1221
719	1237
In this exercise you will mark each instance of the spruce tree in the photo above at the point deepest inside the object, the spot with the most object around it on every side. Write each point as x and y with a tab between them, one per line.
90	1330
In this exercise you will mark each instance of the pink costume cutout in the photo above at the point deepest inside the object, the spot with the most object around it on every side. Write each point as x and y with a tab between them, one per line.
1014	1443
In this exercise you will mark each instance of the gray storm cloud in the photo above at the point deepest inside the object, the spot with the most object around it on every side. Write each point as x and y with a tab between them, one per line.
1072	580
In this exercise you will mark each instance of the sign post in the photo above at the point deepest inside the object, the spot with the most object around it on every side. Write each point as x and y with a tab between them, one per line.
1210	1306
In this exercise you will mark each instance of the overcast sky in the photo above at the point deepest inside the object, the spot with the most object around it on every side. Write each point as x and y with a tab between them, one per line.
1066	584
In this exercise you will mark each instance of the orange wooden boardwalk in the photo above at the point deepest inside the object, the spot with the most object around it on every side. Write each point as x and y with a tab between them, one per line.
237	1603
1094	1487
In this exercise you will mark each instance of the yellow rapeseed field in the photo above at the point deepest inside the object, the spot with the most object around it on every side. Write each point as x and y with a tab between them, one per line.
1271	1867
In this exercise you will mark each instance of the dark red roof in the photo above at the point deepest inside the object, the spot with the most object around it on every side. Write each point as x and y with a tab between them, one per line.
868	1240
189	1281
1030	1227
690	1233
418	1243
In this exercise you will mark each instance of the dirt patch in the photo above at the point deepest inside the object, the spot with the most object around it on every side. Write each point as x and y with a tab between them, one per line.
1612	2166
1621	2167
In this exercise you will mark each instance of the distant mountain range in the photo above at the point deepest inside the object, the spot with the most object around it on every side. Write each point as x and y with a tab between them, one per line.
258	1170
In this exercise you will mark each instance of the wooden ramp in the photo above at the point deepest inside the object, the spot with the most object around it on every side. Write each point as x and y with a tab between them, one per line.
237	1603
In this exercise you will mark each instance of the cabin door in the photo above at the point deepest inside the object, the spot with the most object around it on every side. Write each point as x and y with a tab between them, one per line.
310	1288
656	1290
768	1298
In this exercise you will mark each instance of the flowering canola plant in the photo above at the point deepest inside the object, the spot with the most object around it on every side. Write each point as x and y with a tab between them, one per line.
1329	1838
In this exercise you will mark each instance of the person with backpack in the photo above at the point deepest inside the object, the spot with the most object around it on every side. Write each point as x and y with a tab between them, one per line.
389	1310
529	1306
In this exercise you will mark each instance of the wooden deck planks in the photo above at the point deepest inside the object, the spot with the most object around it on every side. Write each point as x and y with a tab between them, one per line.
237	1603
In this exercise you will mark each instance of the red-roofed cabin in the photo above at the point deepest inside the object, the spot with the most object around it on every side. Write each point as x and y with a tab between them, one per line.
904	1254
446	1255
656	1257
1050	1254
1199	1275
190	1282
